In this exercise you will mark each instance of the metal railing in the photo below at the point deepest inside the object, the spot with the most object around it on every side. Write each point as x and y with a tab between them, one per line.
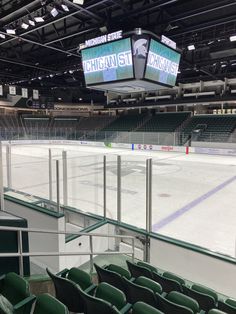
91	253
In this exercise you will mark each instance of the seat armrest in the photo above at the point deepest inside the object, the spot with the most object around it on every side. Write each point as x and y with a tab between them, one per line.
90	290
126	308
27	302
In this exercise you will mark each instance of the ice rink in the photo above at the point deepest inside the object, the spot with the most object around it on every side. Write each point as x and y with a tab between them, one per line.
193	195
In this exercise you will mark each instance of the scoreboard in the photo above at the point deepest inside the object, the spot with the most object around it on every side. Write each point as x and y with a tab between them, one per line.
133	64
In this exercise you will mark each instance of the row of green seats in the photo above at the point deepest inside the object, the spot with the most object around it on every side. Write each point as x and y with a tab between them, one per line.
15	298
149	277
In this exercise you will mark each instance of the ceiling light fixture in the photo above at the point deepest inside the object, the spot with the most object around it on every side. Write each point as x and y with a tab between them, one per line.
2	36
78	2
65	8
31	22
11	31
232	38
39	19
54	12
24	25
191	47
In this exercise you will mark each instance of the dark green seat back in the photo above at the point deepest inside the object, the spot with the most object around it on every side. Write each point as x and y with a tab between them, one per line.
170	275
136	293
169	307
149	283
227	306
80	277
231	302
14	288
68	292
120	270
167	284
181	299
147	265
205	301
137	271
111	294
205	290
46	304
143	308
95	305
111	277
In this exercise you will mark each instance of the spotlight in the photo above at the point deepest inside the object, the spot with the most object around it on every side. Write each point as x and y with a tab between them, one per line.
191	47
24	25
2	36
54	12
232	38
78	1
65	8
39	19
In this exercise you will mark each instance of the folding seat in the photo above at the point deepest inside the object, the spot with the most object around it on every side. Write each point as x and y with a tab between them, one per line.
229	306
68	293
147	265
167	284
80	277
111	277
172	276
169	307
143	308
120	270
149	283
181	299
113	295
46	304
137	271
136	293
206	290
205	301
15	296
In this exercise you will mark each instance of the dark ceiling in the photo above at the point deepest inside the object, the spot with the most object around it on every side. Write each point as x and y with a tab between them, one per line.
47	52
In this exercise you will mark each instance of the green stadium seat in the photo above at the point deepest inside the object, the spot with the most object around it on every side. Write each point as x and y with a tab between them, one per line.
136	293
81	278
137	271
68	293
111	277
112	295
148	283
143	308
169	307
172	276
15	296
120	270
205	301
167	284
181	299
229	306
147	265
46	304
205	290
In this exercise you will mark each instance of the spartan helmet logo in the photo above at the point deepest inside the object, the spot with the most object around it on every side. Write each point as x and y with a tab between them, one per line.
140	47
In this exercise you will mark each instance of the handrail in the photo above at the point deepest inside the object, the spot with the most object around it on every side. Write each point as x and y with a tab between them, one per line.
91	252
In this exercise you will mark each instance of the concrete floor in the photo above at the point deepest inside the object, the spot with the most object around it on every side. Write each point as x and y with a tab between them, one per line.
193	195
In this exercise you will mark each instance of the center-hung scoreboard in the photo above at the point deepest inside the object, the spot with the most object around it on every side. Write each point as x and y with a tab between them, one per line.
137	63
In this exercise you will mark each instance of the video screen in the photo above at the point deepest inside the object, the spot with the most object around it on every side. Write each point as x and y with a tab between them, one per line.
109	62
162	64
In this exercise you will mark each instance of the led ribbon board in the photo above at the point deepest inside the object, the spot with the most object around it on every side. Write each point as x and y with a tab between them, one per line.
162	64
108	62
